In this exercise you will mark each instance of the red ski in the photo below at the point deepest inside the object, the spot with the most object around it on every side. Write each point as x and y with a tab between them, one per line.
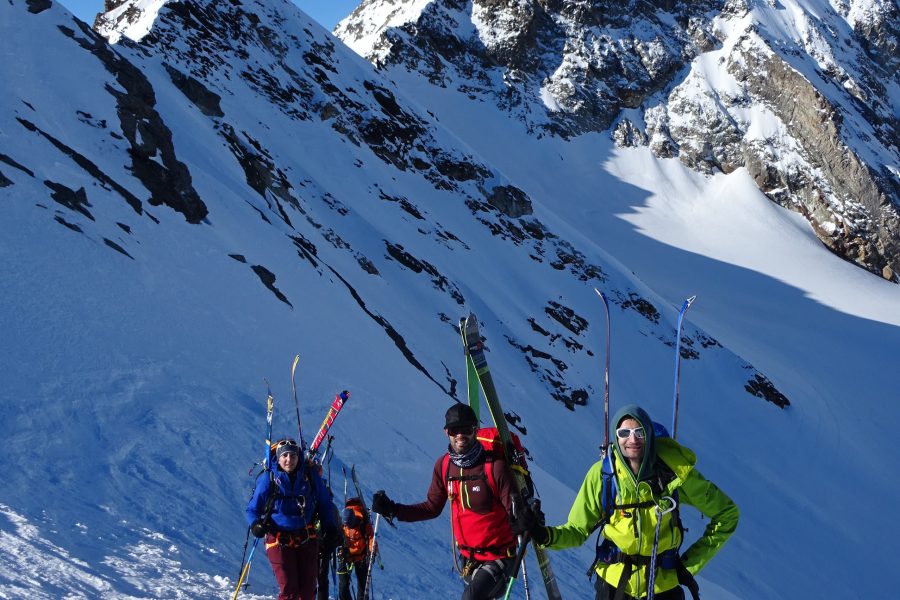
336	406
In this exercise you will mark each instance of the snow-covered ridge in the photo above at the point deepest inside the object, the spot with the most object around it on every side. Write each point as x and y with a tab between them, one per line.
130	18
572	67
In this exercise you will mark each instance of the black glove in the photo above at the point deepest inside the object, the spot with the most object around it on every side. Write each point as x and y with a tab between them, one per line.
540	534
383	505
332	540
531	519
259	528
518	523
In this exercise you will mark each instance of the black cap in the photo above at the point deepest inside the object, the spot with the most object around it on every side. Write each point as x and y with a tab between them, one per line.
460	415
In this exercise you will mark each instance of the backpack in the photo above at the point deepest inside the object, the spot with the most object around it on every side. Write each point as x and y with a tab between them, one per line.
357	530
489	437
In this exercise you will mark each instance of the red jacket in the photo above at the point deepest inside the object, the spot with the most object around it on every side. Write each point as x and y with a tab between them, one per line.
480	518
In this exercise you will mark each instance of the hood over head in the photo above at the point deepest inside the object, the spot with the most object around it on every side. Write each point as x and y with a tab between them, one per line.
640	415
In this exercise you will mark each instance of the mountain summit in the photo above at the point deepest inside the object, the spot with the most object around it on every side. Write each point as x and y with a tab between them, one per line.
801	94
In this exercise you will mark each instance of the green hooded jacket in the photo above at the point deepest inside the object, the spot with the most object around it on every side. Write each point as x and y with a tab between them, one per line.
633	530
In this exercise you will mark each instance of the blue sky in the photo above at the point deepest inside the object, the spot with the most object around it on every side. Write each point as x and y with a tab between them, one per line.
326	12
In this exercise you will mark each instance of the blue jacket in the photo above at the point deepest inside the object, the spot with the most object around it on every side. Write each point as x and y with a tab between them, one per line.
298	503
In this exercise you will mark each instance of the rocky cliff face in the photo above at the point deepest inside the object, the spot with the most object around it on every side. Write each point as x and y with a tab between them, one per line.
803	96
300	78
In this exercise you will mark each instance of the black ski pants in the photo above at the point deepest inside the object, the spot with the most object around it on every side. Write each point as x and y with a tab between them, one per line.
487	580
361	570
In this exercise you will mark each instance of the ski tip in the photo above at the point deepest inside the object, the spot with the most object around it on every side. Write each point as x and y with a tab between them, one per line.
690	300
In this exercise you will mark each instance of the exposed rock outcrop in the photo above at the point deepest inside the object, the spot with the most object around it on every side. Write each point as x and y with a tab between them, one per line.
707	76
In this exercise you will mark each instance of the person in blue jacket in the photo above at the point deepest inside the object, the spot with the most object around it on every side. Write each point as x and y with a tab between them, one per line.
284	509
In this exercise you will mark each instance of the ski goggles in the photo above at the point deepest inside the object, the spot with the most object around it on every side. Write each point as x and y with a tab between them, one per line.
286	446
625	432
467	430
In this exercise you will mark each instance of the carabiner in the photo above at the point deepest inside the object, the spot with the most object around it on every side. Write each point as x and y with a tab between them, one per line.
672	506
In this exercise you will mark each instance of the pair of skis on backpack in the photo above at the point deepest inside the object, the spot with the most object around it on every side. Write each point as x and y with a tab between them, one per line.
269	456
479	379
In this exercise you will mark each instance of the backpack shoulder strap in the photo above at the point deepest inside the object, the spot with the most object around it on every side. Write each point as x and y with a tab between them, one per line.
272	496
489	466
665	474
610	486
445	468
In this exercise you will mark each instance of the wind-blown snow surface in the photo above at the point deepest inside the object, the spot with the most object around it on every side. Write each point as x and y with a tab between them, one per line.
133	393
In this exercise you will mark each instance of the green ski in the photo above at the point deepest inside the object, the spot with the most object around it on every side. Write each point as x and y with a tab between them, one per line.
475	357
472	384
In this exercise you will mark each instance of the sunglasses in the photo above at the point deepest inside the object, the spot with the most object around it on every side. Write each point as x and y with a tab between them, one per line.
454	431
625	432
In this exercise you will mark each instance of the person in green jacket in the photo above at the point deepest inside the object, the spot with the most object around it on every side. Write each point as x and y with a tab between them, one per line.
653	475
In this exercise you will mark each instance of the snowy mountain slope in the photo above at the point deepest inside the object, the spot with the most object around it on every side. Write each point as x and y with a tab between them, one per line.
800	93
128	368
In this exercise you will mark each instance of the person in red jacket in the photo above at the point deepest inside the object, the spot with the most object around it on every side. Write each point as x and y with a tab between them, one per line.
482	498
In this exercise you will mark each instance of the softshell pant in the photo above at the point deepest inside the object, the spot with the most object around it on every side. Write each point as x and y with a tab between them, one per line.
361	569
488	579
295	569
605	591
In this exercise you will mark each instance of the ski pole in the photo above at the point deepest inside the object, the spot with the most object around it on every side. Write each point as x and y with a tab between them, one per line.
372	556
525	581
246	568
244	554
518	562
524	538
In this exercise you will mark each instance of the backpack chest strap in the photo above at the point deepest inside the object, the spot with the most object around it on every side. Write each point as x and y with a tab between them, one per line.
478	477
